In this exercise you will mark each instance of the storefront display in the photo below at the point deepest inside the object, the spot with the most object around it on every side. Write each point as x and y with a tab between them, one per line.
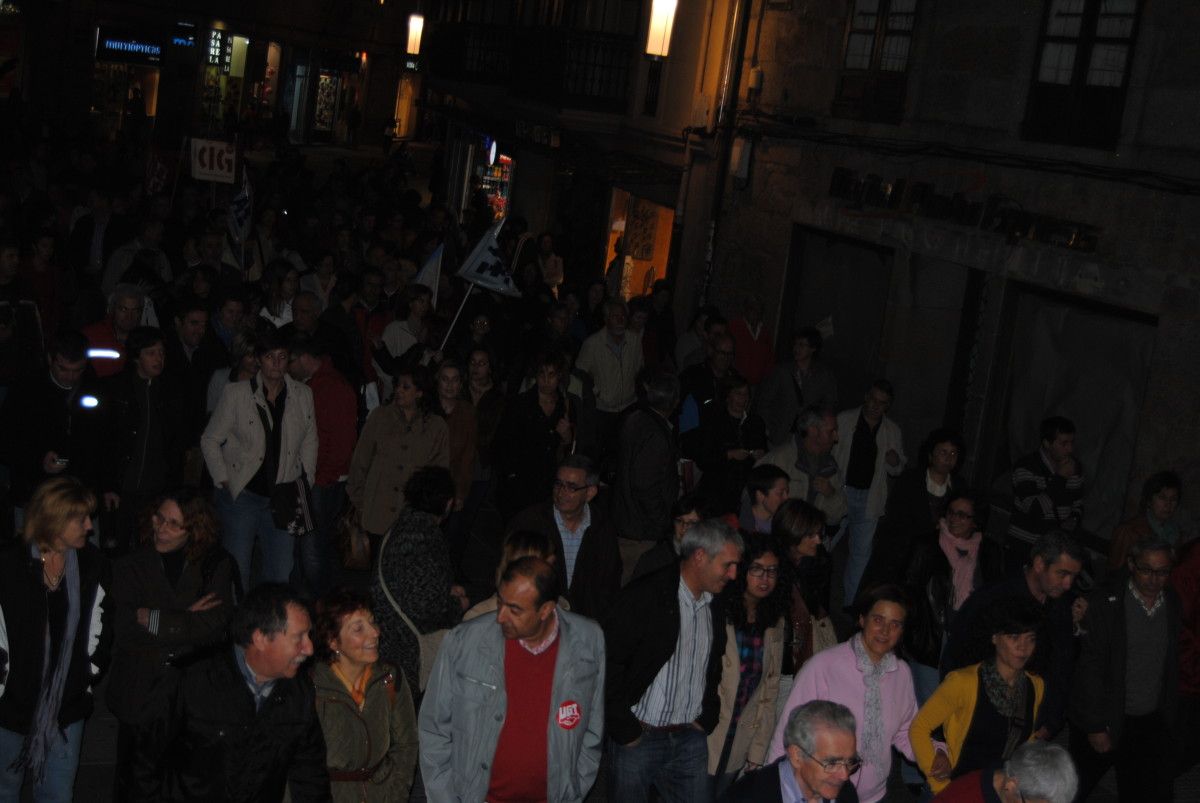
495	182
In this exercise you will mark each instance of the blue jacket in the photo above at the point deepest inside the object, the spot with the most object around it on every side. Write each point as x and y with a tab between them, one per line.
465	703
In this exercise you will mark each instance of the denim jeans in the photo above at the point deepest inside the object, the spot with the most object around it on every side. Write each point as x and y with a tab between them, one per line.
675	763
316	555
58	777
861	531
247	520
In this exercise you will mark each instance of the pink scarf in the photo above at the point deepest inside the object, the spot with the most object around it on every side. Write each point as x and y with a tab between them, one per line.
963	553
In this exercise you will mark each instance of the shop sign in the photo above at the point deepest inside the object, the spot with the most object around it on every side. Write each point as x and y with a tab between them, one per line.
213	160
123	47
220	50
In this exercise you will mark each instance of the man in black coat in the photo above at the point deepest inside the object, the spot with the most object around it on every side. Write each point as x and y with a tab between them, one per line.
1125	692
822	757
664	643
243	723
1046	581
647	480
585	543
44	424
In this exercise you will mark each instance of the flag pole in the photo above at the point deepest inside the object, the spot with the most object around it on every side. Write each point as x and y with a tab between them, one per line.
450	330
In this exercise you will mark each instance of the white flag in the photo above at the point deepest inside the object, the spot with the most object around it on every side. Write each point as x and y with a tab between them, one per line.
240	209
431	273
485	265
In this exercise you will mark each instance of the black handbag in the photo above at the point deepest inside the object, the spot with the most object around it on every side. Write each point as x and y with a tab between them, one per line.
291	506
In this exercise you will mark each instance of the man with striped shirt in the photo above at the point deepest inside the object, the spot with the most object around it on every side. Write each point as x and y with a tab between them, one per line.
1047	488
664	641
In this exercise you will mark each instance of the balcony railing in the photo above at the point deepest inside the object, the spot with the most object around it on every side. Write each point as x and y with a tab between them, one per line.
561	68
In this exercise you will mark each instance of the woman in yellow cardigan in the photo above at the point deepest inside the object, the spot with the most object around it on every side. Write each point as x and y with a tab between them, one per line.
986	710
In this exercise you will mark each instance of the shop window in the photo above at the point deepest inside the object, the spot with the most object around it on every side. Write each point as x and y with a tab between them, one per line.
875	65
1077	95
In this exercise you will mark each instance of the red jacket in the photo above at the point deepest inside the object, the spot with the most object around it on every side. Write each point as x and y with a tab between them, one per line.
1186	581
100	335
336	408
754	357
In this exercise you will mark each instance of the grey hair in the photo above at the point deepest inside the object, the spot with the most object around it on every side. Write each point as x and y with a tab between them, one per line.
125	291
810	417
1152	543
711	535
582	462
1043	770
805	720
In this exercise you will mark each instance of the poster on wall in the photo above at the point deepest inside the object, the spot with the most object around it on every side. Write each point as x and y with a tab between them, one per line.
640	226
326	101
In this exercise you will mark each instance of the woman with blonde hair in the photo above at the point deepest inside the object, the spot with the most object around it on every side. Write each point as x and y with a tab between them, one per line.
53	641
171	597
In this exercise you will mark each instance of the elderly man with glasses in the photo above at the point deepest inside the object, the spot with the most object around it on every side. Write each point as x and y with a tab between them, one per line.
819	764
1125	692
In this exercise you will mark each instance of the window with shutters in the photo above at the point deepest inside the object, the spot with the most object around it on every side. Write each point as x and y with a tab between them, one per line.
1077	96
875	65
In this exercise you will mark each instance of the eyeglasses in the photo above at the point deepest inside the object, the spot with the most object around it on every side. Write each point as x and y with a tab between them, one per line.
959	514
850	765
560	485
725	353
163	521
762	571
1147	571
685	522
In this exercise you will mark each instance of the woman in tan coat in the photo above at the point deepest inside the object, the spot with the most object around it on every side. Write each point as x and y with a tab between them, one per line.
755	606
363	704
398	439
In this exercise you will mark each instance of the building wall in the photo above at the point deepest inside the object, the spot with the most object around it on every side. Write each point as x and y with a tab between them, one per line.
969	78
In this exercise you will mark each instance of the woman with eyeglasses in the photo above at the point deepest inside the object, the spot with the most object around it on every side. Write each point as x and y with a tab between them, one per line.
985	711
755	604
173	595
686	511
941	575
865	675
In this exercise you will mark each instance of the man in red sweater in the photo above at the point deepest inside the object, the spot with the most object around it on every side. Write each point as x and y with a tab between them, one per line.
514	710
1037	772
336	409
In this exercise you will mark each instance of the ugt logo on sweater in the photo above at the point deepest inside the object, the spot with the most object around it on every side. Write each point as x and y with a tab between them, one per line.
568	715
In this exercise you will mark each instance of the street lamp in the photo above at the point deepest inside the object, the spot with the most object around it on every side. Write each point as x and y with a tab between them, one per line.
416	26
658	37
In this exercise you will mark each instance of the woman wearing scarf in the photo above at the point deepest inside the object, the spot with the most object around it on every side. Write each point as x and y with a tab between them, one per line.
864	675
53	641
985	711
364	705
942	574
1156	517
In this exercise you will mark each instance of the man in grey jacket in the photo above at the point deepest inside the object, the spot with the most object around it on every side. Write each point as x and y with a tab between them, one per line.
514	709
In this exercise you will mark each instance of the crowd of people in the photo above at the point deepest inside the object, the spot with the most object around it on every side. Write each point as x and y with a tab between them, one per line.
323	542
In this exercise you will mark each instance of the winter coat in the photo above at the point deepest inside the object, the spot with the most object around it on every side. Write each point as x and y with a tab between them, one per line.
381	737
647	482
235	442
757	721
415	561
214	747
389	451
143	672
22	636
